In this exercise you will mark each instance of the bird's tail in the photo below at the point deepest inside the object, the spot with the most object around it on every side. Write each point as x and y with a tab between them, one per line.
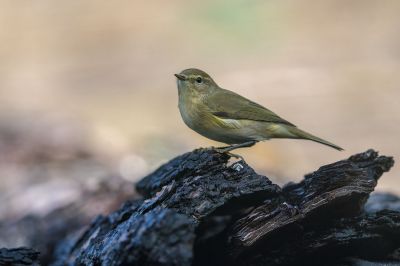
304	135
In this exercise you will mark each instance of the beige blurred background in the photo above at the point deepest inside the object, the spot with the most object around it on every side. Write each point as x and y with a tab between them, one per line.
100	74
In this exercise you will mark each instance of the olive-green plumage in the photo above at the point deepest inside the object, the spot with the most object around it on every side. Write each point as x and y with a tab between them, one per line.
225	116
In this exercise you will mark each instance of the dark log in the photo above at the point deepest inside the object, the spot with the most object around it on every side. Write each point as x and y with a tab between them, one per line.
18	257
199	184
200	209
372	237
333	191
157	237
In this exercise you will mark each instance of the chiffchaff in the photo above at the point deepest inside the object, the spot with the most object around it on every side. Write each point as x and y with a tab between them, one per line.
225	116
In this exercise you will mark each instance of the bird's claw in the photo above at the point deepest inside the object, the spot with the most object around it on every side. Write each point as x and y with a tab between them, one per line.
225	151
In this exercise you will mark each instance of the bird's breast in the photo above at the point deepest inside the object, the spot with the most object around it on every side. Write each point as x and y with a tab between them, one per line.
192	114
200	119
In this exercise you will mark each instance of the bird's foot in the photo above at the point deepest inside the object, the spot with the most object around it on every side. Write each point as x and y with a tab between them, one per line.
237	156
237	146
225	151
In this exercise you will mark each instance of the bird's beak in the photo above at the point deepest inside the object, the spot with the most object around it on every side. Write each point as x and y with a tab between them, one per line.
180	76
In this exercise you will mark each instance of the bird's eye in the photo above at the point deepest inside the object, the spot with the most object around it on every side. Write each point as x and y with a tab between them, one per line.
199	80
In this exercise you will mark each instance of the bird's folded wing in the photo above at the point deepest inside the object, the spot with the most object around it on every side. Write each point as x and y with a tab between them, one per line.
230	105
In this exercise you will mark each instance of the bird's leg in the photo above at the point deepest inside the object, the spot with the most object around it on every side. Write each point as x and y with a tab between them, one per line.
236	146
237	156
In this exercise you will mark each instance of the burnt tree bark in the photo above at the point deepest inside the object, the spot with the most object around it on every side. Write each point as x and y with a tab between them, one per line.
18	257
199	209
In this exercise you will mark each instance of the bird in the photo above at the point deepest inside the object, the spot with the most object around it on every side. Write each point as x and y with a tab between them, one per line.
225	116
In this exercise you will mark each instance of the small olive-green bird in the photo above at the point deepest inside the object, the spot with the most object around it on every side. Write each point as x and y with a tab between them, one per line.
227	117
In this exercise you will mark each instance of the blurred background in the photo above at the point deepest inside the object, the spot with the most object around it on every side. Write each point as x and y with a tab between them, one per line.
88	100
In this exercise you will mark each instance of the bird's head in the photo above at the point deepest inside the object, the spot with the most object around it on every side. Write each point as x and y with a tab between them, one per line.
195	81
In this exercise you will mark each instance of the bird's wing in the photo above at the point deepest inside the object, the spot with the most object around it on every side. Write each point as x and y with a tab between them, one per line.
229	105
